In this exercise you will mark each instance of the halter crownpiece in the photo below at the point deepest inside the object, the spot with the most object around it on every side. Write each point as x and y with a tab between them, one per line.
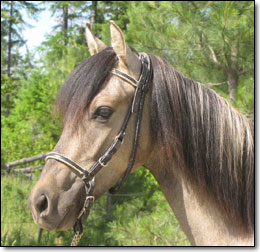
142	84
125	77
87	177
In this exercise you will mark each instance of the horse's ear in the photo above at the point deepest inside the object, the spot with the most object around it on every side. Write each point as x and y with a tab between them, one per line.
95	45
127	58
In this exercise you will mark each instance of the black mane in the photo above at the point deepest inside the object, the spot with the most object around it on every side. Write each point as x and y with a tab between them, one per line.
209	142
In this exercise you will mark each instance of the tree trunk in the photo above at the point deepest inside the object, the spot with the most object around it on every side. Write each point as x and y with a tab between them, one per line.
93	13
9	56
7	98
65	24
233	84
9	61
232	73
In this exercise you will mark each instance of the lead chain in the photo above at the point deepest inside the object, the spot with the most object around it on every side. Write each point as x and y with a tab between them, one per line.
76	238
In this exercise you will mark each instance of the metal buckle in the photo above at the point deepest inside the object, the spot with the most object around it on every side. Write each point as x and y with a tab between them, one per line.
102	164
91	197
85	206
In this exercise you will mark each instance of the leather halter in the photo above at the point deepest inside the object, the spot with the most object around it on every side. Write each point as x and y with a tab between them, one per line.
88	176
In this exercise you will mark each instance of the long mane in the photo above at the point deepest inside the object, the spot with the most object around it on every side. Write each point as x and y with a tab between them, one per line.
208	140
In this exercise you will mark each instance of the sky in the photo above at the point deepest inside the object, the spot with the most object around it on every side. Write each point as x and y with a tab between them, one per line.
35	35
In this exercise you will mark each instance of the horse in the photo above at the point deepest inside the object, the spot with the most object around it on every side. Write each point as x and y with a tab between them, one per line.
122	107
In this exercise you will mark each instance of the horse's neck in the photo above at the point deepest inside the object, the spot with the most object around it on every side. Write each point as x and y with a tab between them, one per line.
200	220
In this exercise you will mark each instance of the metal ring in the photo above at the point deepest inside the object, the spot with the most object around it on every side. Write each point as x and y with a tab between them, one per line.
117	137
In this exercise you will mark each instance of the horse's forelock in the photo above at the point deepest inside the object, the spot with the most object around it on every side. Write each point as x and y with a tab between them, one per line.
84	83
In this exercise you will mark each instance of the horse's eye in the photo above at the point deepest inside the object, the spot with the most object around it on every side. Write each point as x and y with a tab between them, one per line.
103	113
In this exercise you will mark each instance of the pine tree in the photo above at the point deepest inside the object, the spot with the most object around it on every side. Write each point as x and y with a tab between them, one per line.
210	41
12	25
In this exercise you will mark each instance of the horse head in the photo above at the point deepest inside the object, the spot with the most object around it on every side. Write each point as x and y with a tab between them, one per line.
95	104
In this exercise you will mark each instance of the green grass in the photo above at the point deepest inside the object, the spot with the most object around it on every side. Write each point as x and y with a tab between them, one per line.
17	227
136	220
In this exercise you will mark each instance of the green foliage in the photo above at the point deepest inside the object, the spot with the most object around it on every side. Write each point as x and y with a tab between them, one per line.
31	128
152	226
6	90
205	41
245	97
144	219
15	215
58	59
27	130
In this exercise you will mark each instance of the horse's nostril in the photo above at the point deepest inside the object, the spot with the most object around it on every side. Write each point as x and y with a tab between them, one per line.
41	205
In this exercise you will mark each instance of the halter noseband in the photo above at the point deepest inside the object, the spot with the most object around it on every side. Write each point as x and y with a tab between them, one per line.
136	106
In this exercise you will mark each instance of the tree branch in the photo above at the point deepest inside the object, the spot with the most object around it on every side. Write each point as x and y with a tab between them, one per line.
162	49
213	54
244	71
216	84
213	58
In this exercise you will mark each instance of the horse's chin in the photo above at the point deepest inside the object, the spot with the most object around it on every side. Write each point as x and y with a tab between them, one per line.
67	222
50	227
64	226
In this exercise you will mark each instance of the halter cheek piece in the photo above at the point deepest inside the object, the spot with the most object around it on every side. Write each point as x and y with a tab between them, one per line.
88	177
